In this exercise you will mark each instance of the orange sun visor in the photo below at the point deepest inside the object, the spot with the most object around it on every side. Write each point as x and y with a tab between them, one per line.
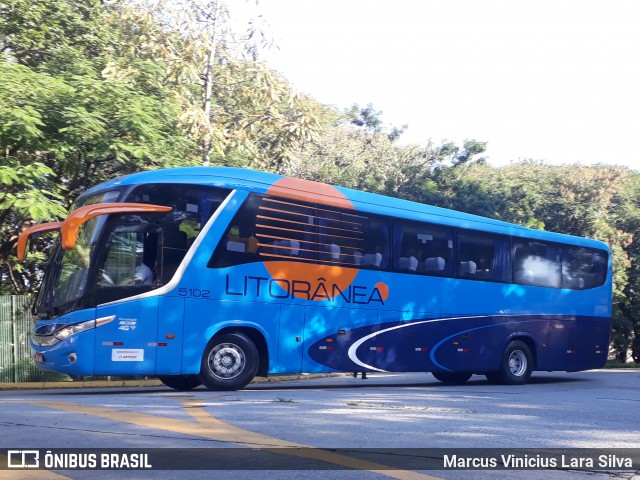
71	225
40	228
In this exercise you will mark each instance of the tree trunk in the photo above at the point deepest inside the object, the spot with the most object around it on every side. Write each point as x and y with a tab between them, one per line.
208	84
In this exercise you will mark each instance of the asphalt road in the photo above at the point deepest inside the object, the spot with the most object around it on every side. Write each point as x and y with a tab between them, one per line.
595	409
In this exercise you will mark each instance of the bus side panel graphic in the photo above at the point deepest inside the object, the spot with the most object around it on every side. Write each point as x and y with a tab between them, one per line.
466	344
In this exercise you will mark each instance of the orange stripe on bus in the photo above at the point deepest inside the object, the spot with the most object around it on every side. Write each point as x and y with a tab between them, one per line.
314	206
308	215
308	191
310	225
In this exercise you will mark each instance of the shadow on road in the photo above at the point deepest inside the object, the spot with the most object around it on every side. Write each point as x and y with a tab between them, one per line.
477	381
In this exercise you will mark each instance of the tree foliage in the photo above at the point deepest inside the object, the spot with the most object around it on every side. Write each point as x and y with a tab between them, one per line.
237	110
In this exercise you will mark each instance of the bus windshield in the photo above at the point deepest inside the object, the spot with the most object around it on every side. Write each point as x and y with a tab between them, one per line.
65	278
121	255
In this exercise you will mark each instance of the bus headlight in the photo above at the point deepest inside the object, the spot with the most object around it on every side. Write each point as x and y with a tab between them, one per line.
43	338
66	332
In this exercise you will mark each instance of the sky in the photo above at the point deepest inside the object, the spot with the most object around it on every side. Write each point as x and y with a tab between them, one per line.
551	80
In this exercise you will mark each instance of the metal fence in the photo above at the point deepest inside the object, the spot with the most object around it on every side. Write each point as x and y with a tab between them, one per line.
16	363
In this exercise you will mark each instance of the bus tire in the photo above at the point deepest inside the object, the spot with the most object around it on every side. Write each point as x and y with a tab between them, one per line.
229	362
452	378
516	365
180	382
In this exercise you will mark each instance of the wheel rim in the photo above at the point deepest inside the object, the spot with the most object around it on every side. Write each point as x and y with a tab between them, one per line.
226	361
517	363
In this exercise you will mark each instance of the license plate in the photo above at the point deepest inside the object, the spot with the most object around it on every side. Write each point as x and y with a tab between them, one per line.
39	358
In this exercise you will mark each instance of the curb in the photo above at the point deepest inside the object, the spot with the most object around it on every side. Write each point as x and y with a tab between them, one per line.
146	383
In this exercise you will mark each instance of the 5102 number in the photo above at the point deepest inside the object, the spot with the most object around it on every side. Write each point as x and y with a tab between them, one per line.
193	292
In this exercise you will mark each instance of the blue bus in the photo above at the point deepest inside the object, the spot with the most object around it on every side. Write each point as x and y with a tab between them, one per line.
213	275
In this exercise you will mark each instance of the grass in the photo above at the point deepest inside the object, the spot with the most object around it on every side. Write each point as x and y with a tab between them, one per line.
621	365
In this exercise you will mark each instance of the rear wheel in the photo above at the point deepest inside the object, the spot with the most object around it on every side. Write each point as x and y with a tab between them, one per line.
516	365
453	378
229	362
181	382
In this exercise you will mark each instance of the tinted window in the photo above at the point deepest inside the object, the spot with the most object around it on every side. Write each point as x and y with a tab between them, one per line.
341	237
536	263
269	229
483	257
125	264
192	207
272	228
240	243
375	245
285	230
423	248
583	268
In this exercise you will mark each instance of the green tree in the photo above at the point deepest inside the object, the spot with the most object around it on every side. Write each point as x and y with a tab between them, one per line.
69	118
370	120
361	159
628	219
24	199
238	111
261	118
52	34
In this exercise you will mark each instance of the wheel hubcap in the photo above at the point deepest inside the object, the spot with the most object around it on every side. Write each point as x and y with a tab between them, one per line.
517	363
226	361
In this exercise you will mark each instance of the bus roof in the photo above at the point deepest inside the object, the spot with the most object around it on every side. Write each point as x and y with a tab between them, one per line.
264	182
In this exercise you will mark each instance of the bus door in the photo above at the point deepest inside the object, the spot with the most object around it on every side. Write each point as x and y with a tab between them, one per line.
562	346
128	343
592	348
291	339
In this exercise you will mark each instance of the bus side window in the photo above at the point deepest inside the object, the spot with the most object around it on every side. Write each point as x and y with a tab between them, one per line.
583	268
130	260
375	254
423	248
174	248
340	237
484	257
286	230
267	229
239	243
536	263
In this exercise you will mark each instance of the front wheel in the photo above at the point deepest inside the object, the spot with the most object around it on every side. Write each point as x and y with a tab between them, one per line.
453	378
181	382
516	365
229	362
